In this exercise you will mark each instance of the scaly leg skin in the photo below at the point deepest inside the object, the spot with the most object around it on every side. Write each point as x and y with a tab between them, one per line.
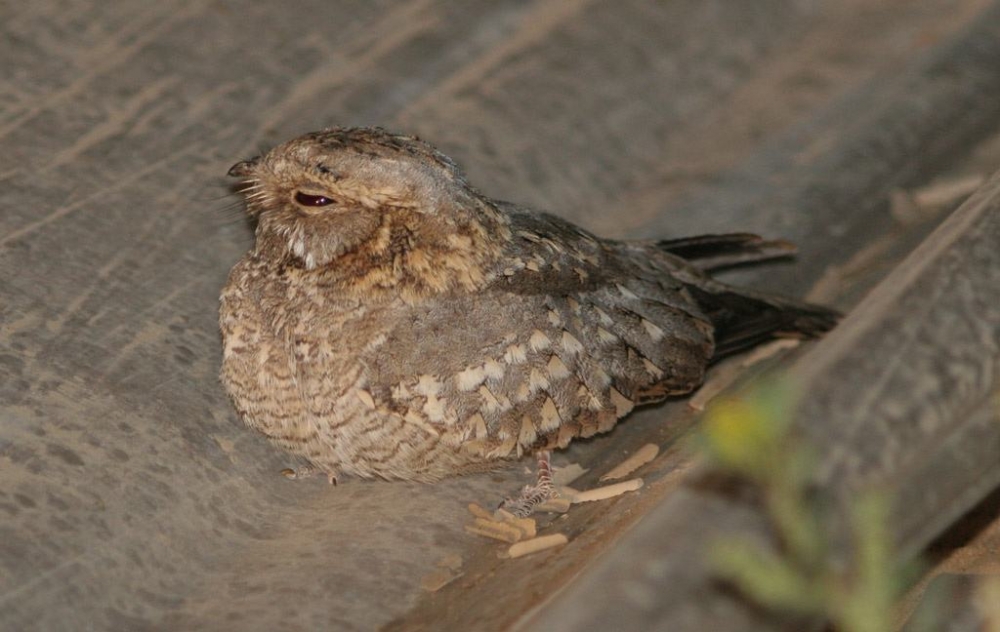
533	495
308	471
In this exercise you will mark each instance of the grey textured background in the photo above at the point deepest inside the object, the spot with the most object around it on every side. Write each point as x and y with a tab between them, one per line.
130	495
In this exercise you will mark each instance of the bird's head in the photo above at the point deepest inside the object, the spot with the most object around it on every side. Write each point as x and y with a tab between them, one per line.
337	194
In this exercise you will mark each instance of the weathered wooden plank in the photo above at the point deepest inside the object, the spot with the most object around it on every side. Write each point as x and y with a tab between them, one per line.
904	395
132	499
815	180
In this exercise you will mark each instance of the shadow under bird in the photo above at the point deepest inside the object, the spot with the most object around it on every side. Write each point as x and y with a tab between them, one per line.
391	321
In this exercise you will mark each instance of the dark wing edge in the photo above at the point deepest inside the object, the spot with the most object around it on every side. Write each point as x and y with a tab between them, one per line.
716	252
742	319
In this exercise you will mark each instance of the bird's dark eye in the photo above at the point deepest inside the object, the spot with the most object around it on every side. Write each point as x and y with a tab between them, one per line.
312	200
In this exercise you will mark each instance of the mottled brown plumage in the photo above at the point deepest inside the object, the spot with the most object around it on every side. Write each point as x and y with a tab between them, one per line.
393	322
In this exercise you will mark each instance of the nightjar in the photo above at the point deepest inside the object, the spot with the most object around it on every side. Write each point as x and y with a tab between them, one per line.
391	321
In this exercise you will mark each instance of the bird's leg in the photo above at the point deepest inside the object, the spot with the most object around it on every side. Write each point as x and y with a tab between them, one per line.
308	471
533	495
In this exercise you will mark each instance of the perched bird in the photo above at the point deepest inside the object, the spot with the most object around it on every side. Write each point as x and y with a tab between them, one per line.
391	321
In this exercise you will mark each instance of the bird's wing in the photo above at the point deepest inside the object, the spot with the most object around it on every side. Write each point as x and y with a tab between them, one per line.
565	342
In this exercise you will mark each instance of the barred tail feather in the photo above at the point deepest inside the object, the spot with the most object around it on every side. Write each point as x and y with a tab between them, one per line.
744	320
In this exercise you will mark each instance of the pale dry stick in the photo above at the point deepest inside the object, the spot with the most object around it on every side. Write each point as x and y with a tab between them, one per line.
535	545
608	491
568	492
722	377
451	561
948	191
555	505
914	207
478	511
768	350
525	525
438	579
500	525
495	530
640	457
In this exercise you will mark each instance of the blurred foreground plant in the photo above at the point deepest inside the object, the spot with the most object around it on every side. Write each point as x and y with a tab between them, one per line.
750	437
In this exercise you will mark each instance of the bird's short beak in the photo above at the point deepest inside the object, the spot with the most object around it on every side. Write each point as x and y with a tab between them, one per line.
244	168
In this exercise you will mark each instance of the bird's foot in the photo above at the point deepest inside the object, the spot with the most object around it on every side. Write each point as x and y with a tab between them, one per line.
533	495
